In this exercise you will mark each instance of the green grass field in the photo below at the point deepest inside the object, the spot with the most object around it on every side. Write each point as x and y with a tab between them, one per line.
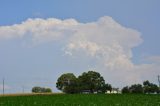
81	100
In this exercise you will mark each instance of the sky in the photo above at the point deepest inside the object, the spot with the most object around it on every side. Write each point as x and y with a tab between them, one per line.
42	39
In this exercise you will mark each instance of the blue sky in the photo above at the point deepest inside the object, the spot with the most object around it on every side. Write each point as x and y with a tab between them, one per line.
26	63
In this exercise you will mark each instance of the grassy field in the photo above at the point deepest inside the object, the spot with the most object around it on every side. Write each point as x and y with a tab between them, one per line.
80	100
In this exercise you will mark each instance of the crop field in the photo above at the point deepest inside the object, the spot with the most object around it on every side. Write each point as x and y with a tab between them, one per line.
81	100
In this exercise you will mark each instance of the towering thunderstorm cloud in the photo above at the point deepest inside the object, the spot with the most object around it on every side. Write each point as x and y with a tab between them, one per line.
105	40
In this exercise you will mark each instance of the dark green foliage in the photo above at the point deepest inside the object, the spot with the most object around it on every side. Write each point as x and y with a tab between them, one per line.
106	87
150	87
90	81
93	82
136	88
36	89
125	89
48	90
41	90
67	83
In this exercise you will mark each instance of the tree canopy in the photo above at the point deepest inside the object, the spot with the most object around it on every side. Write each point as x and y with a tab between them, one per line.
136	88
67	83
150	87
90	81
125	89
38	89
147	87
93	82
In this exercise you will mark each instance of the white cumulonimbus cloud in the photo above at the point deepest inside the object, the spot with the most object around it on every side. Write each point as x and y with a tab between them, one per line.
105	40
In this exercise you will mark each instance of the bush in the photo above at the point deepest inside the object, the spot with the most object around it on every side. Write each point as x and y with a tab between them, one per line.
41	90
125	89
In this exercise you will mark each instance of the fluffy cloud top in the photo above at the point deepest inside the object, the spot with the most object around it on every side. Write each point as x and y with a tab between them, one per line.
105	40
39	29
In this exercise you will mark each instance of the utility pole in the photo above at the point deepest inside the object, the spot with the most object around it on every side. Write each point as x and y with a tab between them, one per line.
159	80
3	86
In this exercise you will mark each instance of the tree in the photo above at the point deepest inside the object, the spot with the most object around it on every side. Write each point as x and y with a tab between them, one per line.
67	83
36	89
146	83
150	87
125	89
91	81
41	90
48	90
136	88
154	88
106	87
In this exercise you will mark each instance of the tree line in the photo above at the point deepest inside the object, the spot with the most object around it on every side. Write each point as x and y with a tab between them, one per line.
93	82
146	88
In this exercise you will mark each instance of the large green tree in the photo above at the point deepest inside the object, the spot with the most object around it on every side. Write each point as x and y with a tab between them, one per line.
136	88
67	83
91	81
125	89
